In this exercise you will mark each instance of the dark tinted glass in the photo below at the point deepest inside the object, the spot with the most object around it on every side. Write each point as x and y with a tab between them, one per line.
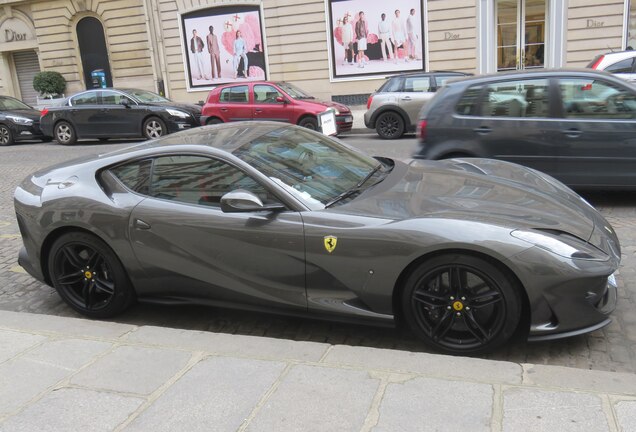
89	98
114	98
392	85
467	105
595	99
135	175
200	180
623	66
522	98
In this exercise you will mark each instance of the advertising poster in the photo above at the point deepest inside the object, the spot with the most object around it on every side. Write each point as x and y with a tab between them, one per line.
375	38
223	44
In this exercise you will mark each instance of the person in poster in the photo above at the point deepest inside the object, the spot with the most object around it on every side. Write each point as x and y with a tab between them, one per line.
196	46
361	36
347	40
240	51
399	34
384	34
410	31
215	54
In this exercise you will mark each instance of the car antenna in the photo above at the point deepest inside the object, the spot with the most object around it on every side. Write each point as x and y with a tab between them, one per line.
610	48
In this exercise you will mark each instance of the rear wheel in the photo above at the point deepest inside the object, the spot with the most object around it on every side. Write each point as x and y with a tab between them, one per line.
390	125
461	304
88	276
6	137
214	121
154	127
65	133
309	123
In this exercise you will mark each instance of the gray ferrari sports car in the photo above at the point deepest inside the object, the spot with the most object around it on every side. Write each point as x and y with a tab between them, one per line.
279	218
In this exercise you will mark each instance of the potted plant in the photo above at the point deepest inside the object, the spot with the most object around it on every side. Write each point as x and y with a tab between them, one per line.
51	86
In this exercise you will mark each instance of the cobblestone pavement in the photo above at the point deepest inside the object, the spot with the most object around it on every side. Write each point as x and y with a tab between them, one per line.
612	348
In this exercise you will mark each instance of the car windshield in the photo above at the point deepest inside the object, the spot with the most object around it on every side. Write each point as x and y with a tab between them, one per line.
317	170
293	91
13	104
146	96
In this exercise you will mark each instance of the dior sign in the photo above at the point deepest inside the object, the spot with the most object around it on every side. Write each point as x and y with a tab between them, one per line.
11	35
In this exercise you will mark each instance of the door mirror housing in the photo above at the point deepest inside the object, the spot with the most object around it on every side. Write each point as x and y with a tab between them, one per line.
281	99
124	102
241	200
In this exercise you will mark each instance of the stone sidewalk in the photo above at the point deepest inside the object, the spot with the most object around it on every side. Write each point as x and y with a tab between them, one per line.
61	374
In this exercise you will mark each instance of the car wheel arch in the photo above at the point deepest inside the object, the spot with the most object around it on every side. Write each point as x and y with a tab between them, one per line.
394	108
400	283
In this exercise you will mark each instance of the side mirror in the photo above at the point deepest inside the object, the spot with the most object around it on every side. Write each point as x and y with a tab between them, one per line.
241	200
281	99
124	102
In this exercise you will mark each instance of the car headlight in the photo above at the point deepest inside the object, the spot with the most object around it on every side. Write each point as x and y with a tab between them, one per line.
20	120
177	113
561	244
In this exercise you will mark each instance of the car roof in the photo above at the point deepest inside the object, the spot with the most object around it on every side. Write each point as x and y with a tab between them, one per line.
534	73
226	136
429	73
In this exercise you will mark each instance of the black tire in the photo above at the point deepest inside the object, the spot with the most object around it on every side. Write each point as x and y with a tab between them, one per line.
88	276
64	133
389	125
154	128
309	123
6	136
213	121
474	311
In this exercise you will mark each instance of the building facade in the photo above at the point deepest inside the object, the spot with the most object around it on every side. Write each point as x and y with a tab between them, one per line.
163	45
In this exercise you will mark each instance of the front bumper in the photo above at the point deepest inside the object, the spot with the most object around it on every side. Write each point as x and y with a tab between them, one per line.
344	122
175	125
25	262
23	132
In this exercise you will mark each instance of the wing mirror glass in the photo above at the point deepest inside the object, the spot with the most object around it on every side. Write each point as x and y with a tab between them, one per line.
241	200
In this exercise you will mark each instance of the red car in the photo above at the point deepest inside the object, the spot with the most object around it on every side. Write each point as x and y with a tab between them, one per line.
265	100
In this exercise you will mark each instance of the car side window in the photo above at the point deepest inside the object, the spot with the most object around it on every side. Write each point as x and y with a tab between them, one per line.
467	104
391	86
522	98
114	98
417	84
623	66
266	94
440	80
236	94
200	180
135	175
595	99
89	98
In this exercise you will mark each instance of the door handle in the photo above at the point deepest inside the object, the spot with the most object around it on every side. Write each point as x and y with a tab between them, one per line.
483	130
406	98
223	109
572	133
258	110
139	224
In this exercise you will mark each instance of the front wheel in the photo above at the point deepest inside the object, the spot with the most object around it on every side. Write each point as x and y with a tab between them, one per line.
65	133
213	121
461	304
309	123
88	275
389	125
154	128
6	137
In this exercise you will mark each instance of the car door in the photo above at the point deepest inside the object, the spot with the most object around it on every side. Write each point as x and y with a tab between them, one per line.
84	113
416	91
183	239
266	107
234	103
514	123
118	119
597	145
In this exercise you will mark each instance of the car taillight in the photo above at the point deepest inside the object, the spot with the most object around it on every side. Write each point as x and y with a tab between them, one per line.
44	112
421	130
369	101
597	62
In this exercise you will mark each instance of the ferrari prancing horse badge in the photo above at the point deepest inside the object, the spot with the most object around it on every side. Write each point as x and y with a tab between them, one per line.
330	243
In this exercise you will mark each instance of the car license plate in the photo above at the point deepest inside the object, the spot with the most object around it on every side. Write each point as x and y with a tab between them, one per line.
348	119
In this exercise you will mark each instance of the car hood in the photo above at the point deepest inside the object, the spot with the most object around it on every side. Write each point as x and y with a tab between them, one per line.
328	104
482	190
190	108
31	114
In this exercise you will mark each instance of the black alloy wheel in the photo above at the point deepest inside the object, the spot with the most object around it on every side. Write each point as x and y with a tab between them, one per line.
461	304
88	276
154	128
309	123
65	133
6	137
389	125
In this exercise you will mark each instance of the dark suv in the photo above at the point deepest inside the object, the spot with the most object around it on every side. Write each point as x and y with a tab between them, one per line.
393	108
576	125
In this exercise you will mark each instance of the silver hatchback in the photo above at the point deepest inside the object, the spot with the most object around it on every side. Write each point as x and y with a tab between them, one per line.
392	110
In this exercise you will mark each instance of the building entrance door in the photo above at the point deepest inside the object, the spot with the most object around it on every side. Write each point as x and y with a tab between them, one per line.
521	30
